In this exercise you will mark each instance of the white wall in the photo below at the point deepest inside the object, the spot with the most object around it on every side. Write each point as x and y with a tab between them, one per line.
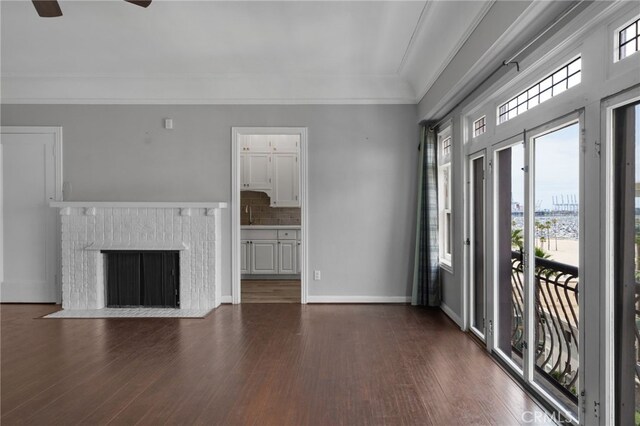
362	175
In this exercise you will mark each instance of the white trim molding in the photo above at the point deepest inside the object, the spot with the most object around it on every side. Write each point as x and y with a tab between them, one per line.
451	314
207	89
141	204
359	299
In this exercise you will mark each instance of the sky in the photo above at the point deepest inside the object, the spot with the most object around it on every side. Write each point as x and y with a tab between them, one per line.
557	167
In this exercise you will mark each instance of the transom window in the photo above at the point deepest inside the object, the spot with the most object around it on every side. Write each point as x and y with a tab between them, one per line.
555	83
479	126
628	39
446	146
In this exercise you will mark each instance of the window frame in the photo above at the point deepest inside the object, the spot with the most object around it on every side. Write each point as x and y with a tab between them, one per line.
544	85
445	211
616	38
474	129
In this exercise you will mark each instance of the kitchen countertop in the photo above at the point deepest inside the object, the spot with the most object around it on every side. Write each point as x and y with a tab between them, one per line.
270	227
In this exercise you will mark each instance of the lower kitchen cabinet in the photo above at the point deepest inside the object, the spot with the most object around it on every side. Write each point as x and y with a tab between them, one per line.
270	251
245	255
287	253
264	257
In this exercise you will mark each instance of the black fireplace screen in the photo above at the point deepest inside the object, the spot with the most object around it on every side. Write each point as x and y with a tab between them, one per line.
142	278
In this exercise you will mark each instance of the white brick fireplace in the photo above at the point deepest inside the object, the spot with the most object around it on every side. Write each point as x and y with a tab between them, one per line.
193	229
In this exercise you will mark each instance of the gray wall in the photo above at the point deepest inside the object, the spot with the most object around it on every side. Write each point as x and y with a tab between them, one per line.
495	23
499	17
362	175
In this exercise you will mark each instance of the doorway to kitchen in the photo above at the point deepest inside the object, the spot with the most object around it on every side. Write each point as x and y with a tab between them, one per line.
269	215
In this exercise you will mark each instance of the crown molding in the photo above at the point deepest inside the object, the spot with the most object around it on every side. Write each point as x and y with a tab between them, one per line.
251	89
416	31
452	54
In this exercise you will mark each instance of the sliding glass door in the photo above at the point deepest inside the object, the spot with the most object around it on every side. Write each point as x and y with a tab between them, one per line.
509	226
536	251
477	243
553	251
626	262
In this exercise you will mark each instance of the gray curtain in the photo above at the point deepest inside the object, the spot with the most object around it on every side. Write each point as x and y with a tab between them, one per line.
426	271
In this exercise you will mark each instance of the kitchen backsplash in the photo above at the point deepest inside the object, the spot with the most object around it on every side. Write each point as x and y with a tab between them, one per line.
262	213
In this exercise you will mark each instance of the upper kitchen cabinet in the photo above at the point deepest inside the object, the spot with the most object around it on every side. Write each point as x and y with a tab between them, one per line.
255	172
286	188
269	163
256	144
285	143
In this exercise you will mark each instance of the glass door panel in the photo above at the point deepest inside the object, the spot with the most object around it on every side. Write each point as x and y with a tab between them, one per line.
626	267
509	190
555	232
477	245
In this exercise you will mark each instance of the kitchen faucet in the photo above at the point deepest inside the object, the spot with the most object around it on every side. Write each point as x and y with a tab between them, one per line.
247	209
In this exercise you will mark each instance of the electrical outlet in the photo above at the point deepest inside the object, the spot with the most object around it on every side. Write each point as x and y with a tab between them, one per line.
316	275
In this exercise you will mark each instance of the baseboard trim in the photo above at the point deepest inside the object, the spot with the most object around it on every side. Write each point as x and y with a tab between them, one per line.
226	299
451	314
358	299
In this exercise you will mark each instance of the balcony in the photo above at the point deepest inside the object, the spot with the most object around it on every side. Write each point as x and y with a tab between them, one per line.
556	322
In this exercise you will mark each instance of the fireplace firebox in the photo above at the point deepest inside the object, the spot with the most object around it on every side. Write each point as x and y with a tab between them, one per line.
142	278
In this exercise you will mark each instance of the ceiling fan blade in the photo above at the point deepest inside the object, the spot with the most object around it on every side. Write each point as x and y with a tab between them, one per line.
141	3
47	8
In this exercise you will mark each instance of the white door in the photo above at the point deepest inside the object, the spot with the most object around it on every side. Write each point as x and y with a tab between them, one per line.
287	254
258	167
244	256
29	224
264	257
286	185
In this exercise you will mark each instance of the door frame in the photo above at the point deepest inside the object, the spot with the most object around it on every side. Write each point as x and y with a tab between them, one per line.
607	295
235	204
56	131
470	158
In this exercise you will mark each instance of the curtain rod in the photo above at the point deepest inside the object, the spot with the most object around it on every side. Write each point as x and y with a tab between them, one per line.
549	28
508	62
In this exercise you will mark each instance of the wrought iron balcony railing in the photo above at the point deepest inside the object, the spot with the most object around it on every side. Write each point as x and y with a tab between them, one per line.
556	320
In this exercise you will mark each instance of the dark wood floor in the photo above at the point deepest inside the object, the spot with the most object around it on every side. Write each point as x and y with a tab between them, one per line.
270	291
257	364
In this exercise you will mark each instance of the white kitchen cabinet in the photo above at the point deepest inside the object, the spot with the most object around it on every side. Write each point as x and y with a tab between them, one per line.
270	251
255	171
287	257
298	257
285	143
286	177
264	257
245	255
256	144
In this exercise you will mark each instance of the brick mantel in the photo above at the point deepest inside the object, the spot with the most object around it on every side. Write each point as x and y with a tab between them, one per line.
191	228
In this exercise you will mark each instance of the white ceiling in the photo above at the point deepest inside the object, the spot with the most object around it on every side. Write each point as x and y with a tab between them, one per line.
231	51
